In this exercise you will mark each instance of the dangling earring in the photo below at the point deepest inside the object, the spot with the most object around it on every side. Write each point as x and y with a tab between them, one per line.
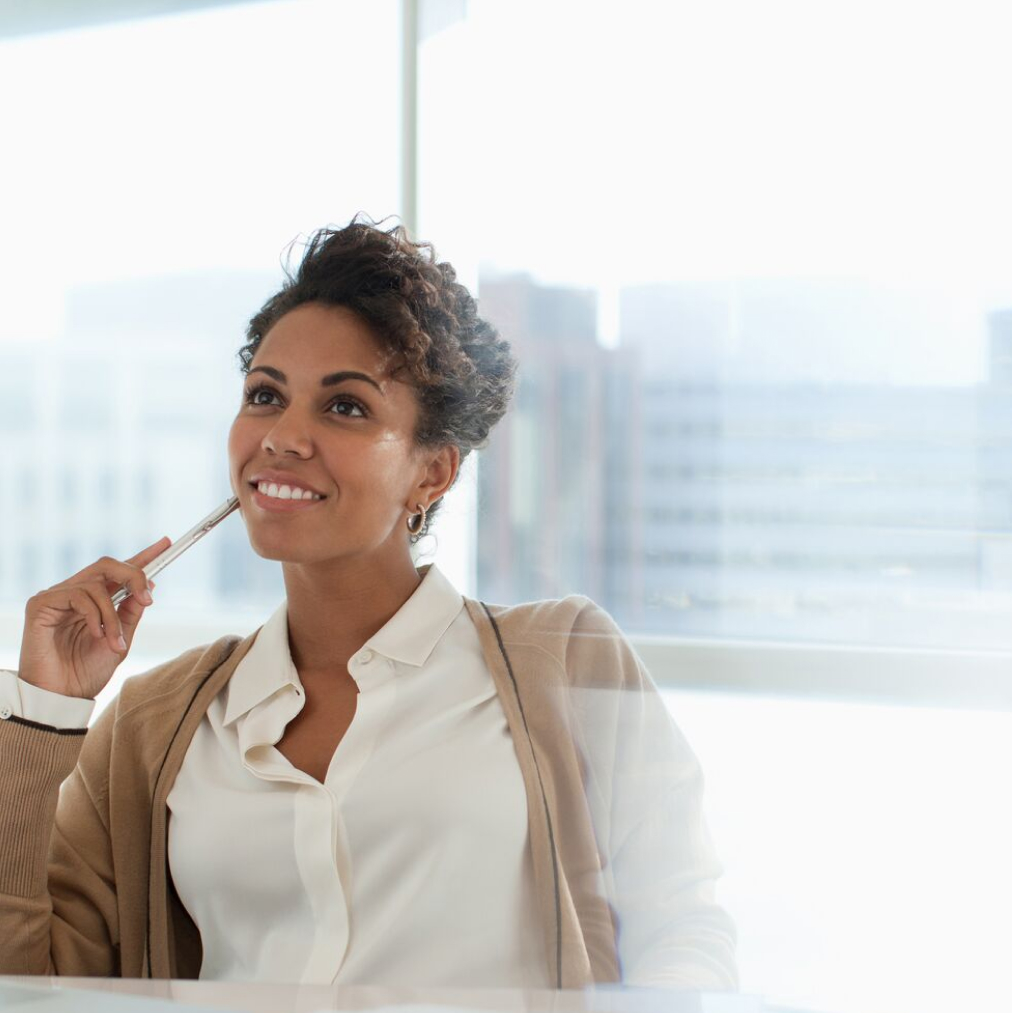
416	522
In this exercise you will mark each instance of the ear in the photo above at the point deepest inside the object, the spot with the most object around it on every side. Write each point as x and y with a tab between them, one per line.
439	469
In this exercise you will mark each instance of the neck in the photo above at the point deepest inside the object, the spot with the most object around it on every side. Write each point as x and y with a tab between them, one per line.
334	609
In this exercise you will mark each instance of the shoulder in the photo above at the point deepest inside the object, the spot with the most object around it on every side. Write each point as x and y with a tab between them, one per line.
550	622
170	685
132	734
576	632
550	615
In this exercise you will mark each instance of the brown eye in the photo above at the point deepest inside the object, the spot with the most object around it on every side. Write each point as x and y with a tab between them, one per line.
254	395
348	406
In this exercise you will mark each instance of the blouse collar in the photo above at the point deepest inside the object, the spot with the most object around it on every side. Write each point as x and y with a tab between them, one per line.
408	637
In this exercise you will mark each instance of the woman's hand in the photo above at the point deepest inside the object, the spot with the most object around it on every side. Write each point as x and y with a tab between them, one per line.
74	638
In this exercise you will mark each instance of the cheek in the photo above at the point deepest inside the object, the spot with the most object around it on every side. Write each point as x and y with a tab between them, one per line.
240	440
380	471
391	461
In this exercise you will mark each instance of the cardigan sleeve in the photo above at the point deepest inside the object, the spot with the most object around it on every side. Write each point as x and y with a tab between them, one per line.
644	787
58	910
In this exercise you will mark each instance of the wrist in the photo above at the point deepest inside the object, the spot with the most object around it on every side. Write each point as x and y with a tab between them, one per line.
46	686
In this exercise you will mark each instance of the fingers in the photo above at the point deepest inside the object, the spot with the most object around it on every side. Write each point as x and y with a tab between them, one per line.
91	601
131	610
89	594
154	550
118	574
112	627
141	592
128	572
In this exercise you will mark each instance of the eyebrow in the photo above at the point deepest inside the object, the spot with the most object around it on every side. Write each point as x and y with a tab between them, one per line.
328	381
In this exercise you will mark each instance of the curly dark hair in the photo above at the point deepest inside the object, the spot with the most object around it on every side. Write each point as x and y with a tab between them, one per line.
462	370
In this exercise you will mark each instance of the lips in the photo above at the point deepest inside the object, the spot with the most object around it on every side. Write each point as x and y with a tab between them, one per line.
277	505
281	478
287	493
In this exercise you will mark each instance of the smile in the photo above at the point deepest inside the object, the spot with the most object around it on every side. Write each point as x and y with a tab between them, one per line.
273	491
273	498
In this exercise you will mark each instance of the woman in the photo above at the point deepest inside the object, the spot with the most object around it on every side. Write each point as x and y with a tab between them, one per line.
388	782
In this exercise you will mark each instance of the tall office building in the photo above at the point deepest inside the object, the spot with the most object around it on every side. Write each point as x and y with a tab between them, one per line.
541	485
744	488
784	499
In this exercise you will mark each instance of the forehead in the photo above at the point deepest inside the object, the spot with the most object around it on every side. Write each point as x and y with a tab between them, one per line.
318	338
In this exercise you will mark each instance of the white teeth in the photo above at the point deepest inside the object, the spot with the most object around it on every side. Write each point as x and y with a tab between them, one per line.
285	491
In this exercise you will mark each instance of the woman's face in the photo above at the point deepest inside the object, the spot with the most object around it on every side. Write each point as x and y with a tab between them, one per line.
321	413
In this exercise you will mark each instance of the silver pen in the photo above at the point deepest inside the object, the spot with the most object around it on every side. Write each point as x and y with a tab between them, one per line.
178	547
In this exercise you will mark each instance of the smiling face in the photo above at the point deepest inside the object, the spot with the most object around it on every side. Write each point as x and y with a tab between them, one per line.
322	413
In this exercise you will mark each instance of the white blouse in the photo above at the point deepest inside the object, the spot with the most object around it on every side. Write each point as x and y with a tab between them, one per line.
410	865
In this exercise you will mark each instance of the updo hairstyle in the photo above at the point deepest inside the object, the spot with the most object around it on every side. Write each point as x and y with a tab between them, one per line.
462	370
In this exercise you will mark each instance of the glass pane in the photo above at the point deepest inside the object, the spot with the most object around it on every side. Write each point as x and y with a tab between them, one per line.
762	305
754	261
157	171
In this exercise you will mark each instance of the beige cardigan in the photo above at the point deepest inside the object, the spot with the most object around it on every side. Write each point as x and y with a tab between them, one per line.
102	902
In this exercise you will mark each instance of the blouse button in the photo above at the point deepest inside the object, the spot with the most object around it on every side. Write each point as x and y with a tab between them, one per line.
365	657
5	712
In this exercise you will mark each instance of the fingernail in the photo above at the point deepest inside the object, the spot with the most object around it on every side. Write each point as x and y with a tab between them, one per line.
145	597
122	643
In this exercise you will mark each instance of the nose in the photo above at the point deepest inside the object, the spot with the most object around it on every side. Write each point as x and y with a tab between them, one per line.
287	436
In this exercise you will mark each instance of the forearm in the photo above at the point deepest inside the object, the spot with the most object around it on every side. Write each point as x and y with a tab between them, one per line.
34	762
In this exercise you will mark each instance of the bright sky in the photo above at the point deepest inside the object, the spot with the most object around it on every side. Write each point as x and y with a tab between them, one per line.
188	142
760	138
590	143
685	140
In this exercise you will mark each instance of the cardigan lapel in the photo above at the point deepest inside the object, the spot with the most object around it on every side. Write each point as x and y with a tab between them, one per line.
543	851
525	648
568	959
161	938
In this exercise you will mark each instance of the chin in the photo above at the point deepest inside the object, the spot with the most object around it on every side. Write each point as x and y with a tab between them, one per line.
281	549
285	554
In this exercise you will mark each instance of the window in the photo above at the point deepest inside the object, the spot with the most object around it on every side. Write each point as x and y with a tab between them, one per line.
146	219
762	307
753	258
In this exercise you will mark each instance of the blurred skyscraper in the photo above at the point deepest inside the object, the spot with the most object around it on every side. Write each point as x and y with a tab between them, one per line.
541	492
736	497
